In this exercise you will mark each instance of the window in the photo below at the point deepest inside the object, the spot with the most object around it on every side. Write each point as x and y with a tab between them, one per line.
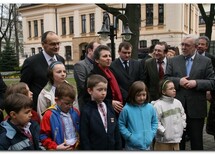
71	25
160	14
35	28
155	41
42	26
201	21
29	28
83	23
68	52
143	44
149	14
92	22
202	34
63	20
40	49
32	51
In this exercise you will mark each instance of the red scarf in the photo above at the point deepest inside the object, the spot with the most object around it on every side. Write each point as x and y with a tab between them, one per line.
116	93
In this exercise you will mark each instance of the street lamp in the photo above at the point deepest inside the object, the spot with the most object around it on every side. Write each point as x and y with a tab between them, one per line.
109	31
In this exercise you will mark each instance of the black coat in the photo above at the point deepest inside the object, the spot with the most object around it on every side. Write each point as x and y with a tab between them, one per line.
92	132
34	73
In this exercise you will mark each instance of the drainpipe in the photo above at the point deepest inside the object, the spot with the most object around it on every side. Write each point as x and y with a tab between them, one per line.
56	20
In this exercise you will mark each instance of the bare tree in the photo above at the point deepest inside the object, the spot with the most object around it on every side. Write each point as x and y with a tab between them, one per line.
208	18
6	15
134	18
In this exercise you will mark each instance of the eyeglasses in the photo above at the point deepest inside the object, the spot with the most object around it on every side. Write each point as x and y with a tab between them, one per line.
186	45
54	44
67	103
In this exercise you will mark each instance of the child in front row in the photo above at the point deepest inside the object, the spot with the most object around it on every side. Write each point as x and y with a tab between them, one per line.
171	118
19	132
138	121
98	123
60	123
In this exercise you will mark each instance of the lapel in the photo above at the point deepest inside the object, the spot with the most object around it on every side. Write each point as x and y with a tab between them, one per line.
89	65
122	69
196	61
153	66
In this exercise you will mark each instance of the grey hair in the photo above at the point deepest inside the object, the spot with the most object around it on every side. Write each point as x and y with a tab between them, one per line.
194	37
204	38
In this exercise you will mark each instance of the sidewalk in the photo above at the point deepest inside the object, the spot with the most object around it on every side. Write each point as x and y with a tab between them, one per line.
208	140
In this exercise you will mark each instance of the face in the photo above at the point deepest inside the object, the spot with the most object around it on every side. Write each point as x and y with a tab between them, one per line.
188	47
52	44
30	94
22	117
170	90
170	54
140	97
104	59
98	93
125	54
159	53
65	103
59	73
91	51
202	46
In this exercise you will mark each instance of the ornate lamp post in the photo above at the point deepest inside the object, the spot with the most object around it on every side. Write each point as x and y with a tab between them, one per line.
109	31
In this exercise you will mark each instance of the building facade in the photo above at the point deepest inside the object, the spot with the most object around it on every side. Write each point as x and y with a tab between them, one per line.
78	24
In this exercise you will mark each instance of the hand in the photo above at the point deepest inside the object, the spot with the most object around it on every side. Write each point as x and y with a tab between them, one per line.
191	84
64	146
117	106
183	81
208	96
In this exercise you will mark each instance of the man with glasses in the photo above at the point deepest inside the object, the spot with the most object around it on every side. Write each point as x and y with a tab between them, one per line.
34	69
192	75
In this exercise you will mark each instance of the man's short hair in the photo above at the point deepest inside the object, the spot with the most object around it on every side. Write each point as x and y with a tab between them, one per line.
16	102
124	44
204	38
43	38
65	90
94	79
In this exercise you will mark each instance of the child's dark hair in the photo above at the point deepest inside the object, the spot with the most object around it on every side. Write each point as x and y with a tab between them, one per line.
136	88
65	90
94	79
16	102
163	86
50	74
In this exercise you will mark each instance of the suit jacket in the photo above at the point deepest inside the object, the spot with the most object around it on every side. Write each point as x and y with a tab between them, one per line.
193	100
34	73
124	79
151	78
92	132
81	71
211	57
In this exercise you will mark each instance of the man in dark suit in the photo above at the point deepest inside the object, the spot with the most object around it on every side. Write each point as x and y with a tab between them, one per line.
191	87
203	44
125	69
82	70
152	67
34	69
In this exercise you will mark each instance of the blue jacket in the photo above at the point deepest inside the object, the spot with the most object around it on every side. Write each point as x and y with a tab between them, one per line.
11	137
138	125
52	133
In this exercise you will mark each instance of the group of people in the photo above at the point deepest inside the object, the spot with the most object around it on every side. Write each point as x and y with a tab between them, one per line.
123	104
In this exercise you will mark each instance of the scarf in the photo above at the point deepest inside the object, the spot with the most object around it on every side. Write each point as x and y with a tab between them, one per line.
116	93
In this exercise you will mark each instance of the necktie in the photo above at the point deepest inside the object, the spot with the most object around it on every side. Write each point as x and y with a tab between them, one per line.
104	114
160	70
189	63
27	134
126	66
52	59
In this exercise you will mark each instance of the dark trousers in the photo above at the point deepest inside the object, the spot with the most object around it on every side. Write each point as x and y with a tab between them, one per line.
195	132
